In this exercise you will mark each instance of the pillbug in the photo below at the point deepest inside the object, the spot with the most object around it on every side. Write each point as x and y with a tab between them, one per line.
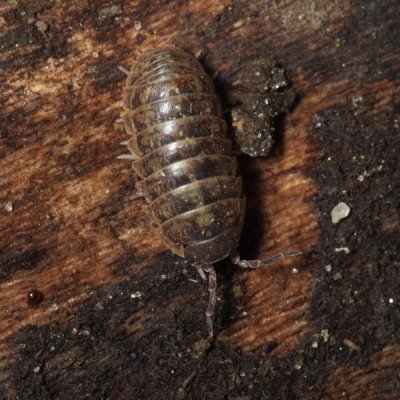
180	151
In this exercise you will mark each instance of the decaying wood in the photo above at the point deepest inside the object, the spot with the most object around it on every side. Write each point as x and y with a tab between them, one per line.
115	315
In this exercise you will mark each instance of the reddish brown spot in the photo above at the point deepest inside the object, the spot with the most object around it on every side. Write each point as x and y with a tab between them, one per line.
34	298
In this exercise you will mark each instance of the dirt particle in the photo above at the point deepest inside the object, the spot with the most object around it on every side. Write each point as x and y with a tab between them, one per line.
261	93
110	11
41	26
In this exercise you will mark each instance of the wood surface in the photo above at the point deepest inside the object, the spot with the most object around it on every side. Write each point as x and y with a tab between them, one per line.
113	314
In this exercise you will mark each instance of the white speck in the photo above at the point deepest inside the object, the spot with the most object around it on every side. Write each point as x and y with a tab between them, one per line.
318	124
360	178
244	313
107	191
328	268
136	295
110	296
8	206
54	307
52	348
295	270
314	344
339	212
138	25
342	249
325	334
243	374
297	365
172	371
266	101
74	331
36	369
391	301
163	276
95	54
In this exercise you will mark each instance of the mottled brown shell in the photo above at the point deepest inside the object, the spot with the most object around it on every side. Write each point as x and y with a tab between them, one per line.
184	159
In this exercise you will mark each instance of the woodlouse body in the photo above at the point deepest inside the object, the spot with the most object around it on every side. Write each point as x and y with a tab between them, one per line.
183	157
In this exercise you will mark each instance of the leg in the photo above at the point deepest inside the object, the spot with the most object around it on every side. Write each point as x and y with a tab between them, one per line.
201	272
122	69
131	157
135	196
212	288
235	259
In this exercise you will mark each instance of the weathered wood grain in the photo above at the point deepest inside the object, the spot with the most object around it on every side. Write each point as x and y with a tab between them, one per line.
122	318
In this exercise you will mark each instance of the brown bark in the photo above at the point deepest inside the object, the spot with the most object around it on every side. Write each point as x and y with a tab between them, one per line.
93	306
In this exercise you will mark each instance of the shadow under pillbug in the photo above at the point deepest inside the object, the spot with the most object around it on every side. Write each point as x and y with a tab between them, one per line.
181	152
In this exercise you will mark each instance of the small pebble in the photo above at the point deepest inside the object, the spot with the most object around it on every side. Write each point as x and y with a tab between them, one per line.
339	212
328	268
8	206
325	334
